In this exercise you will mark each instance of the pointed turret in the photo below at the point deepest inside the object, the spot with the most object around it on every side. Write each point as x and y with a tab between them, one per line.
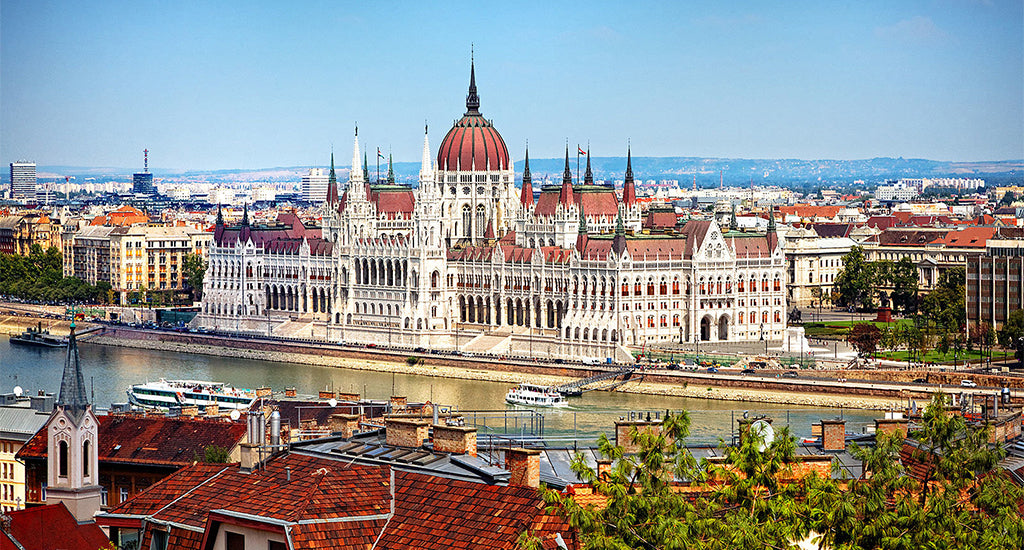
245	215
73	396
366	170
628	187
245	232
526	194
489	232
218	227
220	215
332	184
588	176
565	196
356	174
619	240
425	168
733	223
391	171
772	236
472	99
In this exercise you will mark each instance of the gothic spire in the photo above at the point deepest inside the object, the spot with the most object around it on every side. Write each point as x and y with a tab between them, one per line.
332	177
619	240
220	215
588	176
583	222
72	385
366	171
391	171
332	183
526	194
771	219
733	223
472	99
425	168
565	196
628	187
245	215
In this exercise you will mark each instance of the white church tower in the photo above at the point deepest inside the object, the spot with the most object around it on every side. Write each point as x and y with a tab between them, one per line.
72	475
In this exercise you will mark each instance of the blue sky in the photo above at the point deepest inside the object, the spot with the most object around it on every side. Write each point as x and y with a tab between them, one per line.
207	85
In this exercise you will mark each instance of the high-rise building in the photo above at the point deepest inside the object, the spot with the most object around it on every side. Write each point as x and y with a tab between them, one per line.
23	180
142	182
314	185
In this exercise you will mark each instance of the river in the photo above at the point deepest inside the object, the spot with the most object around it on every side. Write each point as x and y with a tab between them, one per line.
110	370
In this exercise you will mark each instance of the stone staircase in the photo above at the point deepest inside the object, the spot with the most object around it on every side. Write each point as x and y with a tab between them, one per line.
489	343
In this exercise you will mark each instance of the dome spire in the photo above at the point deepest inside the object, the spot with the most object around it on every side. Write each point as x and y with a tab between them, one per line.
472	99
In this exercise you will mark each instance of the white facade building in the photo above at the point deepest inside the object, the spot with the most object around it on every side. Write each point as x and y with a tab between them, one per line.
468	262
314	186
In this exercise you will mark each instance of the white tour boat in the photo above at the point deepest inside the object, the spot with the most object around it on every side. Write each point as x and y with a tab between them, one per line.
532	395
164	394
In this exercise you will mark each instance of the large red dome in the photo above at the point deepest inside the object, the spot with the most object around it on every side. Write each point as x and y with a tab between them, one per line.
472	145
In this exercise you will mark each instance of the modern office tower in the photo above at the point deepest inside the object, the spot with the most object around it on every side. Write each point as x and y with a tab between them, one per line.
314	185
142	182
23	180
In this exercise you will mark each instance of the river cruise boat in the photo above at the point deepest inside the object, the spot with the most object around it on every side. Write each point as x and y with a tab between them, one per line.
532	395
41	337
164	394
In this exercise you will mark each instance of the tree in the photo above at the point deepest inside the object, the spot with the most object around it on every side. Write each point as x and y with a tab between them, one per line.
864	337
216	454
661	497
902	276
1012	334
193	266
855	282
1008	198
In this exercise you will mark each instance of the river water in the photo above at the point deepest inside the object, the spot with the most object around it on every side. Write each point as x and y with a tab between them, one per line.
110	370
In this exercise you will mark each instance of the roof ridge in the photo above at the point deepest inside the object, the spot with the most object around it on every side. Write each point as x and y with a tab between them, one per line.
300	512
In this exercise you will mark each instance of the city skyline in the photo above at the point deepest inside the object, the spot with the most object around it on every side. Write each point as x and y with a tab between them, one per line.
221	87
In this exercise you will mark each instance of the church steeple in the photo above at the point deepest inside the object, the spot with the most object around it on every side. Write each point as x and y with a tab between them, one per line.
332	184
72	385
526	194
472	99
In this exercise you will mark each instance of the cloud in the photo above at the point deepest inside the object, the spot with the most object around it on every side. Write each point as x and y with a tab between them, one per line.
918	30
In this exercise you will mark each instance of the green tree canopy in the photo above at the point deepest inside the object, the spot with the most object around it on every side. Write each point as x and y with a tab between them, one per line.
856	281
194	266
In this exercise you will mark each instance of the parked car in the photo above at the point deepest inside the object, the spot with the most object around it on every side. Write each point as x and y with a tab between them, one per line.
920	381
672	366
712	370
968	383
789	374
748	371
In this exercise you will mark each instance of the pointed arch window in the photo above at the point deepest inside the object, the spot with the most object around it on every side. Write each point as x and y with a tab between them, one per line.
62	459
481	221
85	458
467	221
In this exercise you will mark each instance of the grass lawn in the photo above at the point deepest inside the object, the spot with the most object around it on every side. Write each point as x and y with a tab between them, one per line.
839	329
936	357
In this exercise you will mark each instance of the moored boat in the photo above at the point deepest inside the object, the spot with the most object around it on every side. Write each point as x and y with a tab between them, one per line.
532	395
164	394
39	337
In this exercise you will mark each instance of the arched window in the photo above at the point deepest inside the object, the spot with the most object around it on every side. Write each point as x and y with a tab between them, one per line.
467	221
62	460
481	220
85	458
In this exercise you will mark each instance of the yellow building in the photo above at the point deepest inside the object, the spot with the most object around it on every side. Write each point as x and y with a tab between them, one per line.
135	260
18	423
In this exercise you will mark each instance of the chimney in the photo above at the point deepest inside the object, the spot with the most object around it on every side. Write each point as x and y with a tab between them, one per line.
398	403
406	432
212	410
290	392
889	425
833	435
190	411
326	394
524	464
345	424
622	428
604	465
460	440
264	391
348	397
250	457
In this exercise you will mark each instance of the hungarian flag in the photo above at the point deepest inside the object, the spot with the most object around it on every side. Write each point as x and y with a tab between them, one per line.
380	155
582	152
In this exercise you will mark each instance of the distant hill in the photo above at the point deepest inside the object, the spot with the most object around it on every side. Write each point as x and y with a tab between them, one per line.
785	172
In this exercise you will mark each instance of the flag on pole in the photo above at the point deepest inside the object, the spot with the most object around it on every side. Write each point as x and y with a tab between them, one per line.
582	152
380	155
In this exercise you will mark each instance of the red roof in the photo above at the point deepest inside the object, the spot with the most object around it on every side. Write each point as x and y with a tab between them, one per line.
969	237
311	496
394	203
597	200
472	145
52	527
811	211
156	440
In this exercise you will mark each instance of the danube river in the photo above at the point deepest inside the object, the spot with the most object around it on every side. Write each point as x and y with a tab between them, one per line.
109	371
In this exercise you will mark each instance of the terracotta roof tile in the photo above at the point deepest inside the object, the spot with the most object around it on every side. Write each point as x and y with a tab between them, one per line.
52	527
